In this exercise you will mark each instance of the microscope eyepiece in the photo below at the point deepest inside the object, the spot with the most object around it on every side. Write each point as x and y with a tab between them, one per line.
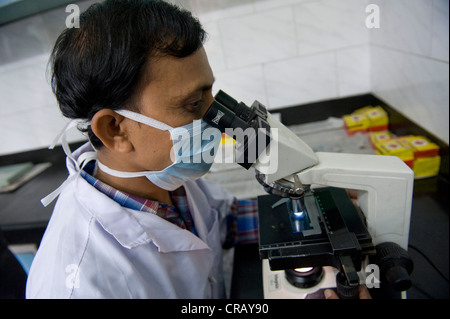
242	123
239	108
222	118
226	100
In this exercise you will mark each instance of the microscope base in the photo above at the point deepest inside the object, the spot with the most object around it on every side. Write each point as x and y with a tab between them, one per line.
276	286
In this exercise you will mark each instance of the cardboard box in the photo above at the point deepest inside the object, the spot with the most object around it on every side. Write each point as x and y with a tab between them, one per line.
422	146
426	156
396	148
417	152
379	137
366	119
378	118
426	166
356	123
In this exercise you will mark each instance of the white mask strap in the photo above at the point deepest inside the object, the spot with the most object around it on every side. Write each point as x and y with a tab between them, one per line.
82	161
116	173
79	164
62	136
144	120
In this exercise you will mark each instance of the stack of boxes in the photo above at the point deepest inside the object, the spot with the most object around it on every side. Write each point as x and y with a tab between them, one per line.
366	119
418	152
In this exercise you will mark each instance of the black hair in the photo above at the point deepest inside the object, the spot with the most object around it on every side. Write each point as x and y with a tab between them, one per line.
102	63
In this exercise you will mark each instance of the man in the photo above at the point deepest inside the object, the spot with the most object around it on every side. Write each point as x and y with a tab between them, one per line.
133	220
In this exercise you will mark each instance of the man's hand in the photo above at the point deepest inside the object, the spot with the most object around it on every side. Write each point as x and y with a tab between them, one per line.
353	194
362	290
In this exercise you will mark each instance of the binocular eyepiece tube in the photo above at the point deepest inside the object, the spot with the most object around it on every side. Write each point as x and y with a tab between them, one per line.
233	118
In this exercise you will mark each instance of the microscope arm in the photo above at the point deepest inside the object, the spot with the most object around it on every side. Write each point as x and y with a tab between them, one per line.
384	185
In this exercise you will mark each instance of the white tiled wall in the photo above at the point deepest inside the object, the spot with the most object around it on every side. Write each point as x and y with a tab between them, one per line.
281	52
30	117
290	52
410	61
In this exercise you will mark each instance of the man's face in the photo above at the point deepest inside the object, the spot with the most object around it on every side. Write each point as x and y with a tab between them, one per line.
179	92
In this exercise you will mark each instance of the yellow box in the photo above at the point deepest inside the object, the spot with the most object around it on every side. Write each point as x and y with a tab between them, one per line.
426	166
417	152
379	137
227	139
422	146
396	148
378	118
363	110
368	118
356	123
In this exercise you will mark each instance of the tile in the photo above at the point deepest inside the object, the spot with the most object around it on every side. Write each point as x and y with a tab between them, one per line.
28	107
405	25
226	12
258	38
209	6
243	84
24	85
440	36
416	86
262	5
213	46
330	24
301	80
34	129
353	69
385	65
428	88
23	39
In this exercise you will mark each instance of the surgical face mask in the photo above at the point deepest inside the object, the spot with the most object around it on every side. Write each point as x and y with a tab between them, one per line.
192	154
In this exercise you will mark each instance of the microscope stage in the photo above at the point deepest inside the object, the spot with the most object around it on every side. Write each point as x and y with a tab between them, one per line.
339	230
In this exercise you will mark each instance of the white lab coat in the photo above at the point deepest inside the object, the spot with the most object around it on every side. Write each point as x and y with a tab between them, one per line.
95	248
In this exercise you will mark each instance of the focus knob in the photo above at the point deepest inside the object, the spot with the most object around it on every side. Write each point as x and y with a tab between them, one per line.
395	265
344	289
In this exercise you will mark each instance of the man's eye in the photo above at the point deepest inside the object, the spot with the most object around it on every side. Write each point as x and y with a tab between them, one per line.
194	106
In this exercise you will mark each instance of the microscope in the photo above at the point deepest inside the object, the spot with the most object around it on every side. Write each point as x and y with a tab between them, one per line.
311	234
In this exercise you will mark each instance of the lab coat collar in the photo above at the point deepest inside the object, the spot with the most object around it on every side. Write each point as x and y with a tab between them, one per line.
129	227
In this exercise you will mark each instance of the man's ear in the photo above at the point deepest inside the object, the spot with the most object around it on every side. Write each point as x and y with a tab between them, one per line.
108	126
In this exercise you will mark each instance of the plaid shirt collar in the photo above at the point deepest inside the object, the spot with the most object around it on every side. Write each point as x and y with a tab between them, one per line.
178	214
